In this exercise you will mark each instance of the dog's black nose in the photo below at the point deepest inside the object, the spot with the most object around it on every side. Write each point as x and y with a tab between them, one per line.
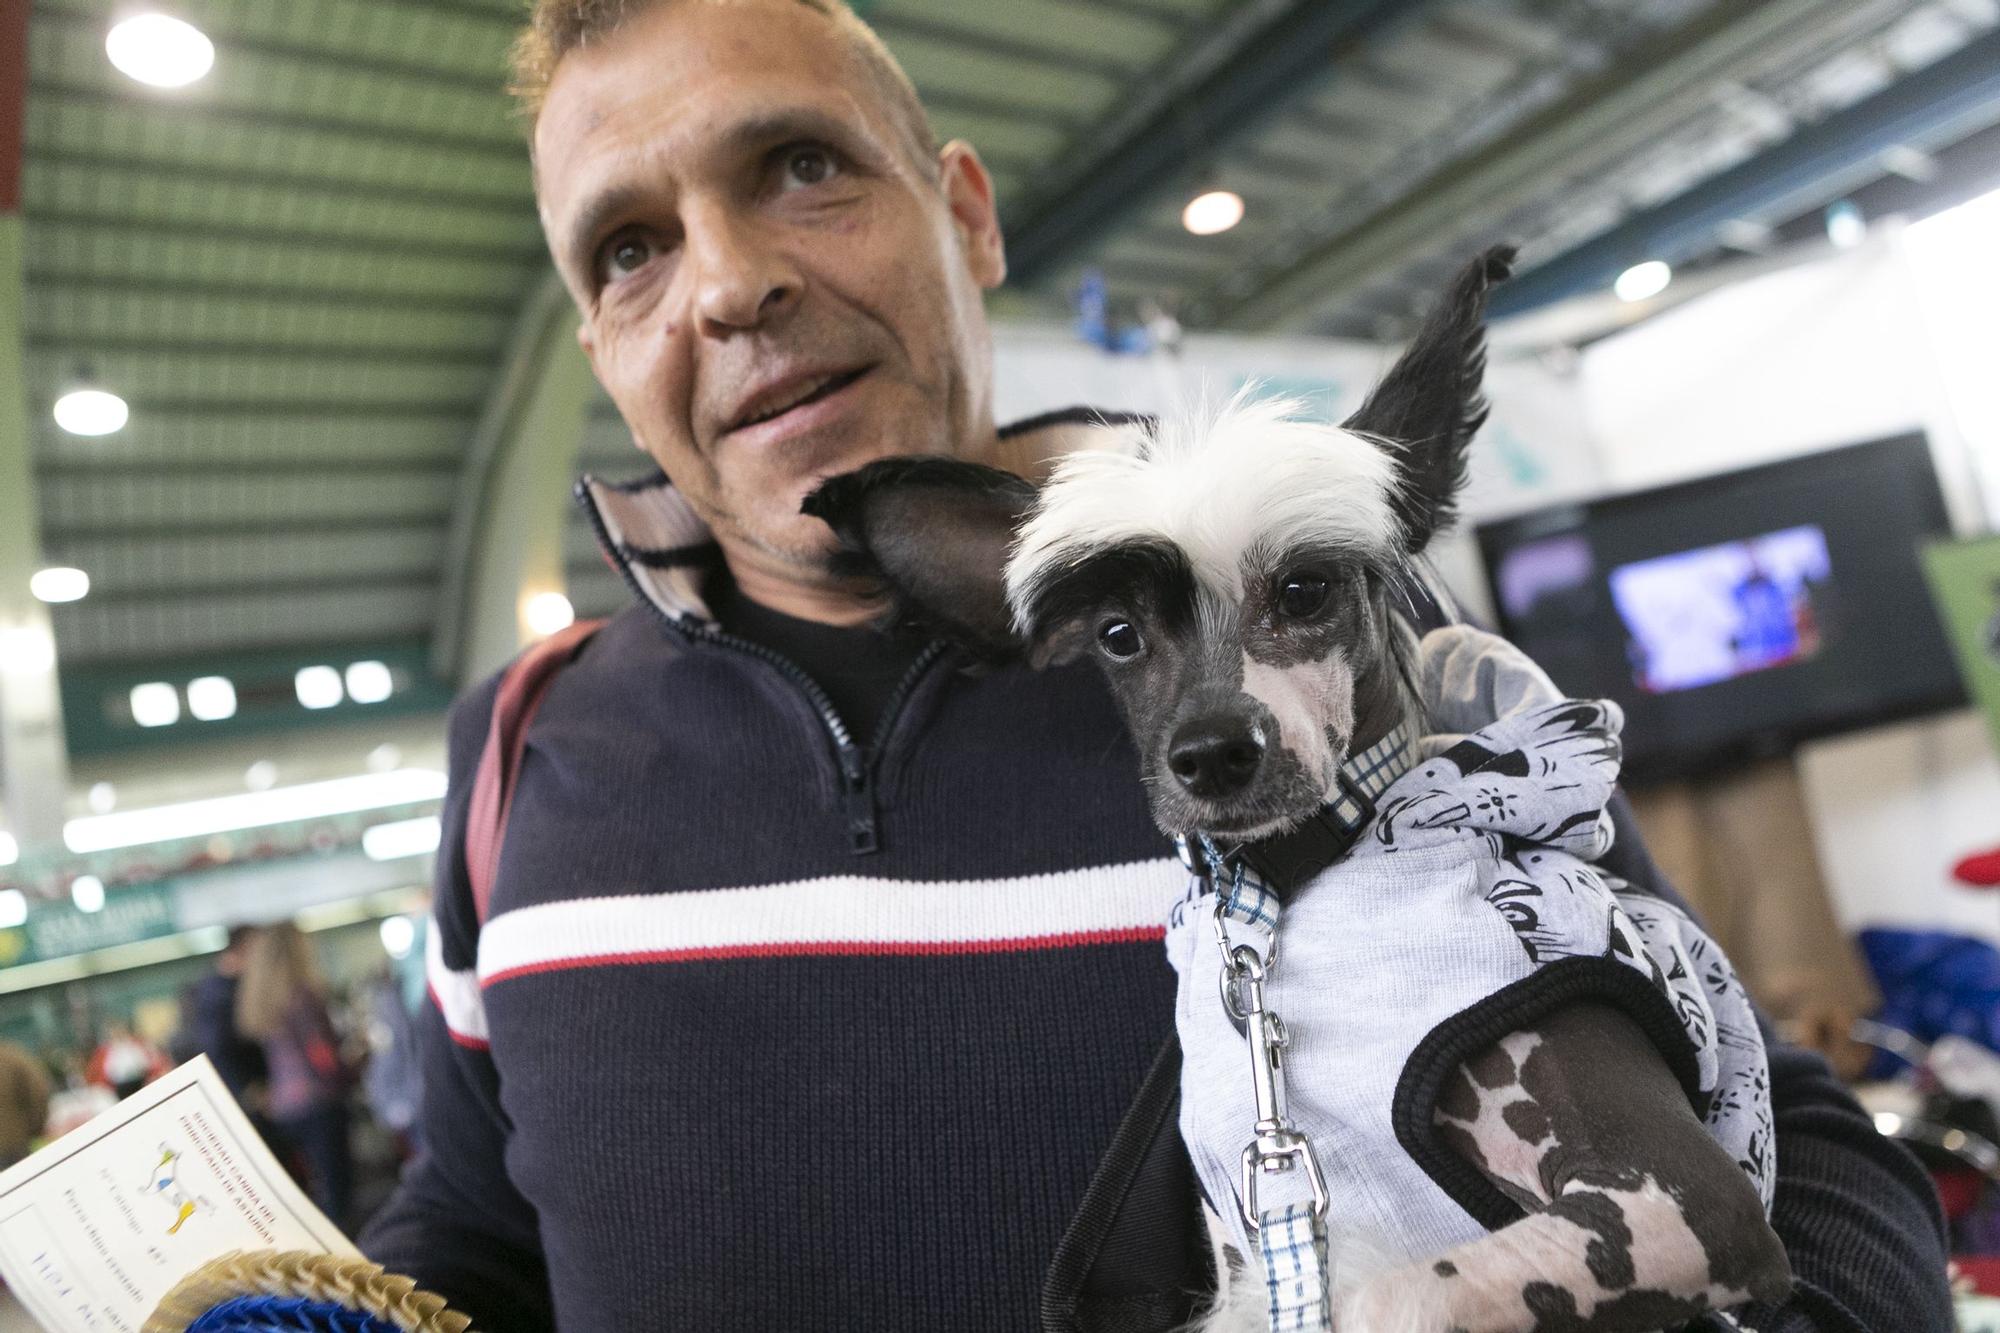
1214	757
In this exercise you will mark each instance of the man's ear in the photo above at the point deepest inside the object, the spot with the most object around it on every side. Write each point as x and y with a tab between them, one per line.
937	533
1429	406
968	193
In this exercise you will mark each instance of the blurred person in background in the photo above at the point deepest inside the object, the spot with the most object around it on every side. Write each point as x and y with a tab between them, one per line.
394	1079
24	1102
123	1062
281	1002
78	1099
208	1023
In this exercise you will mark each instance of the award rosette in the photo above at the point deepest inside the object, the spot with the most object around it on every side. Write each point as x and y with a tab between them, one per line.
263	1291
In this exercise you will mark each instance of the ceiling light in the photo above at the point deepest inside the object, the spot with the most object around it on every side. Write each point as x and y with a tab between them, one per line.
399	936
59	583
406	837
1643	280
227	814
385	757
1845	226
212	698
369	682
155	704
318	686
87	892
10	849
1214	212
103	798
91	411
164	52
548	612
13	908
261	776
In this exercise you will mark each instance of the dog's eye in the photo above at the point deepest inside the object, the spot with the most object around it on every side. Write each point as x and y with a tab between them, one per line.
1120	640
1302	595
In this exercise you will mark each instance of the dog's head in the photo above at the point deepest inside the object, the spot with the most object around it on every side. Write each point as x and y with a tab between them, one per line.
1231	570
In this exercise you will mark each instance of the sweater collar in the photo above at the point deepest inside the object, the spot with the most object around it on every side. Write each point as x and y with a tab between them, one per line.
650	534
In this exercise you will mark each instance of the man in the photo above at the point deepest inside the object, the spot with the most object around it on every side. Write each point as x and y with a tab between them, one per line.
820	982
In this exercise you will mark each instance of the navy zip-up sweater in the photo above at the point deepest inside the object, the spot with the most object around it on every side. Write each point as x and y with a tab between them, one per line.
771	1029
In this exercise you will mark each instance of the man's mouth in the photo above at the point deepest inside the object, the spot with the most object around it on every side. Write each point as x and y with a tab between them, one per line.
799	395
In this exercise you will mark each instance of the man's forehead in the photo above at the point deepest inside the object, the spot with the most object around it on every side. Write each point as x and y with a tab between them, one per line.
685	67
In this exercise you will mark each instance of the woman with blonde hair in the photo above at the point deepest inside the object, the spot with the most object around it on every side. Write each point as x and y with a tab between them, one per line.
281	1002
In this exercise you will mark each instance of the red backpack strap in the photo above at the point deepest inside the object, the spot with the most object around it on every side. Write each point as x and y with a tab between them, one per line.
522	686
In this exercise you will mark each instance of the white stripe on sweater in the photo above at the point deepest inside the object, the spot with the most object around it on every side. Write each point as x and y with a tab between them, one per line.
456	994
843	914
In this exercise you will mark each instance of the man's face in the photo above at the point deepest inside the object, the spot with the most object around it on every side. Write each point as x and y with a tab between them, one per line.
775	287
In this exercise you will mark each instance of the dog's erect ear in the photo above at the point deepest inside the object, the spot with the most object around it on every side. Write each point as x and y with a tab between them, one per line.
936	532
1430	405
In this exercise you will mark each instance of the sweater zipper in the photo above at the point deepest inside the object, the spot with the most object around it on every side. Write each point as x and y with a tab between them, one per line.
857	772
857	765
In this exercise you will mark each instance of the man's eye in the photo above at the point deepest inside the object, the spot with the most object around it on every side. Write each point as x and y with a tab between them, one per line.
1120	640
1302	595
625	255
809	165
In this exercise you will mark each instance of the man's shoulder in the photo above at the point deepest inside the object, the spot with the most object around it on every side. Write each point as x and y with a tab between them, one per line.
620	644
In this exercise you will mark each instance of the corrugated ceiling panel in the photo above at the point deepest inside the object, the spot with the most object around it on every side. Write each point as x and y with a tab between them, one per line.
113	313
961	66
123	565
69	501
118	186
59	124
178	376
140	630
131	252
249	438
1063	28
461	38
306	81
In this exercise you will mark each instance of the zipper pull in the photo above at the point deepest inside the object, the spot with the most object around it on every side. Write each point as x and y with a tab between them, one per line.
862	835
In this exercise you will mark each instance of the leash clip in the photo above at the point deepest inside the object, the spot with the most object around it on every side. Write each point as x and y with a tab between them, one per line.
1278	1147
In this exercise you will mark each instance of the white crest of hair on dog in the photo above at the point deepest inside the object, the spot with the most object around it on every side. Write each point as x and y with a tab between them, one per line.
1221	484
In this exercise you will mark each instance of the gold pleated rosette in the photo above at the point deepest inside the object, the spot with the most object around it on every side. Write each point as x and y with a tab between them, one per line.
354	1284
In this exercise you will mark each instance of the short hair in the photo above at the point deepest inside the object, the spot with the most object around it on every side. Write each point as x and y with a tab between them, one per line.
557	27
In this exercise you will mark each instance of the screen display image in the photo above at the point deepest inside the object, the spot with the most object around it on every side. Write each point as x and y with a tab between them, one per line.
1737	615
1696	617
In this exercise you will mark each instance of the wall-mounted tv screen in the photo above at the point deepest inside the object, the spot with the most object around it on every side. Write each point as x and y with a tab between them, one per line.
1739	614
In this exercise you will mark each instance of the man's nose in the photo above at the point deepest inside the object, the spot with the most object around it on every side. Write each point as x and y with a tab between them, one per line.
742	280
1215	756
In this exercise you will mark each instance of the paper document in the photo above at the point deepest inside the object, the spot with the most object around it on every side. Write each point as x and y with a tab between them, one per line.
99	1225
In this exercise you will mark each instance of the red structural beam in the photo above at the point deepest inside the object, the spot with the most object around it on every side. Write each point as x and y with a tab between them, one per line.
13	99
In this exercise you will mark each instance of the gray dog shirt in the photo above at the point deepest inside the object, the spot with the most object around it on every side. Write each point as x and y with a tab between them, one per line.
1469	908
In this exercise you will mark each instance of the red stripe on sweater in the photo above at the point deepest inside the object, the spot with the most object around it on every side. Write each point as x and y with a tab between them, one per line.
469	1043
837	948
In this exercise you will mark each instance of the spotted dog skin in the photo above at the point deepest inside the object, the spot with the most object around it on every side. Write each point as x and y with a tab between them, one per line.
1636	1219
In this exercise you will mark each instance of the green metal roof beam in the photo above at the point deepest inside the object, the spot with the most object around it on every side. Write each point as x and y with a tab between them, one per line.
512	203
507	521
512	149
295	239
318	353
34	762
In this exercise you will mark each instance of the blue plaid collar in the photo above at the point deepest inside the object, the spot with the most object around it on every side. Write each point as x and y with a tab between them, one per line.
1284	861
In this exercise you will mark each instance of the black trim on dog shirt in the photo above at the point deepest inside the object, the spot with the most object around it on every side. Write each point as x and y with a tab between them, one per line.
1454	1042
